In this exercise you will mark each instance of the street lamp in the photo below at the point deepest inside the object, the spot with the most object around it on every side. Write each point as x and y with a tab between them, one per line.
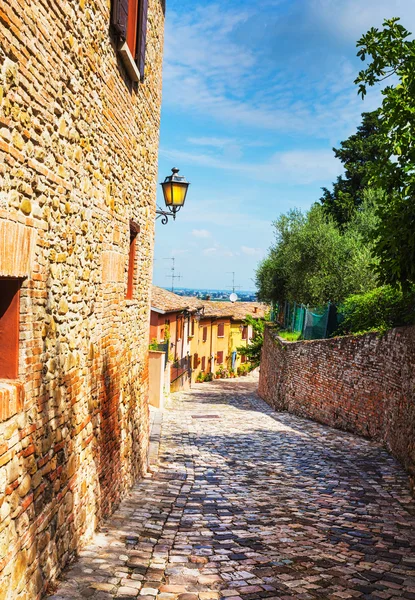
174	191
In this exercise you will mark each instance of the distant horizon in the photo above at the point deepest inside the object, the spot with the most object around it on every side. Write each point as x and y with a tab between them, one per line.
207	289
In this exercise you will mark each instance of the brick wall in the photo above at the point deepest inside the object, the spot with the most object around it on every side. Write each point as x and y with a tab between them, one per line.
363	384
78	161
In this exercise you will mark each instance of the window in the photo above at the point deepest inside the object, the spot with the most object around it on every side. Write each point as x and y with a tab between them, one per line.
129	20
243	358
134	229
221	329
9	327
179	328
205	333
245	332
203	367
219	357
195	360
192	331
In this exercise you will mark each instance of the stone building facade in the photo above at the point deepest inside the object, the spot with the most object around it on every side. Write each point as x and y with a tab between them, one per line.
78	165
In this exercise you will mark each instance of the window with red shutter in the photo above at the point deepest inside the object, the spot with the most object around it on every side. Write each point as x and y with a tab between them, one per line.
195	360
245	332
134	229
9	327
203	367
129	21
221	330
205	334
219	358
243	358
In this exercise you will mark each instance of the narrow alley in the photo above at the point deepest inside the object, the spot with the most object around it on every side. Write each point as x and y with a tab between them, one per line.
247	503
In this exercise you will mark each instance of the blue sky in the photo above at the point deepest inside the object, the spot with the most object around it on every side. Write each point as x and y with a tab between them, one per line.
255	95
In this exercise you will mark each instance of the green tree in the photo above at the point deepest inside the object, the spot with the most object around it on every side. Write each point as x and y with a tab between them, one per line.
358	154
253	350
314	262
392	54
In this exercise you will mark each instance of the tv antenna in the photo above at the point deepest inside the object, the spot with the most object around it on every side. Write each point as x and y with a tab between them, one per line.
173	272
233	287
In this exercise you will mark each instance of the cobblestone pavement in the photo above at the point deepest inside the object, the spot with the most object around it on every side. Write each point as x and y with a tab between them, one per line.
247	503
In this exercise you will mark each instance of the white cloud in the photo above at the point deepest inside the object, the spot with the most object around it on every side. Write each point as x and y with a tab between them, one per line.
214	142
292	167
231	81
251	251
201	233
219	251
349	19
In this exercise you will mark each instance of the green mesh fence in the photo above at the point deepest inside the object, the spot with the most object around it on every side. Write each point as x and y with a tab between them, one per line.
313	323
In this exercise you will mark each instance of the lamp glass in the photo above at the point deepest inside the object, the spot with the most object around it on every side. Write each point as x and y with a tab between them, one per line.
167	192
179	191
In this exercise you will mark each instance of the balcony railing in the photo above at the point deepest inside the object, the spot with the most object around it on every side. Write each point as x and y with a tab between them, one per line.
179	367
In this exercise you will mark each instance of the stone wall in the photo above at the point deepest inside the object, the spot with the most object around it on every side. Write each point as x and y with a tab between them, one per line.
78	161
362	384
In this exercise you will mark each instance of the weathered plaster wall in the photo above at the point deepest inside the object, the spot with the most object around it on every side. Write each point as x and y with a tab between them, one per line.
78	160
363	384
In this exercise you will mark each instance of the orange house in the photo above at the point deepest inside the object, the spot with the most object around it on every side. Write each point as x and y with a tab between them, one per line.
172	327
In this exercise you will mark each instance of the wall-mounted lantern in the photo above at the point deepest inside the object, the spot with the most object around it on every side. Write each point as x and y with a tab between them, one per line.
174	191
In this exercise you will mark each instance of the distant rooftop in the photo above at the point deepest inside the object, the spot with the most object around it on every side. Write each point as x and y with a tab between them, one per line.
164	301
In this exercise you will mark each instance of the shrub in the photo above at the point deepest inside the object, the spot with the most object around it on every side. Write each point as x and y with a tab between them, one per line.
290	336
222	373
154	344
208	377
244	369
378	310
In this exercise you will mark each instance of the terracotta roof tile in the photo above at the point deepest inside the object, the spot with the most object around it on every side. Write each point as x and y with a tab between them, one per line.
166	301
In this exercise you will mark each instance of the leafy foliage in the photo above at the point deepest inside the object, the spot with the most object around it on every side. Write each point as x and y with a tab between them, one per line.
392	54
313	261
154	345
253	349
359	153
380	309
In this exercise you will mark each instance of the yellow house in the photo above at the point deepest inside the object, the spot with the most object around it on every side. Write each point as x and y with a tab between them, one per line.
218	334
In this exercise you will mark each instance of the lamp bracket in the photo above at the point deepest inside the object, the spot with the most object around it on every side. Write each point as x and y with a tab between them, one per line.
166	214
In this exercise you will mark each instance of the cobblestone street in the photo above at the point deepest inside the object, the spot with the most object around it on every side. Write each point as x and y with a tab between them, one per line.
247	503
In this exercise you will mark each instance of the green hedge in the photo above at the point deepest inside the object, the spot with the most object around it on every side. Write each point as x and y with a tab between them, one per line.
378	310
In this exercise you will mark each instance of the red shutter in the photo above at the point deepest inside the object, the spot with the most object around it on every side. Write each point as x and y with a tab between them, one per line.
195	360
9	327
203	363
245	333
131	265
221	330
132	28
219	358
120	17
142	36
204	334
